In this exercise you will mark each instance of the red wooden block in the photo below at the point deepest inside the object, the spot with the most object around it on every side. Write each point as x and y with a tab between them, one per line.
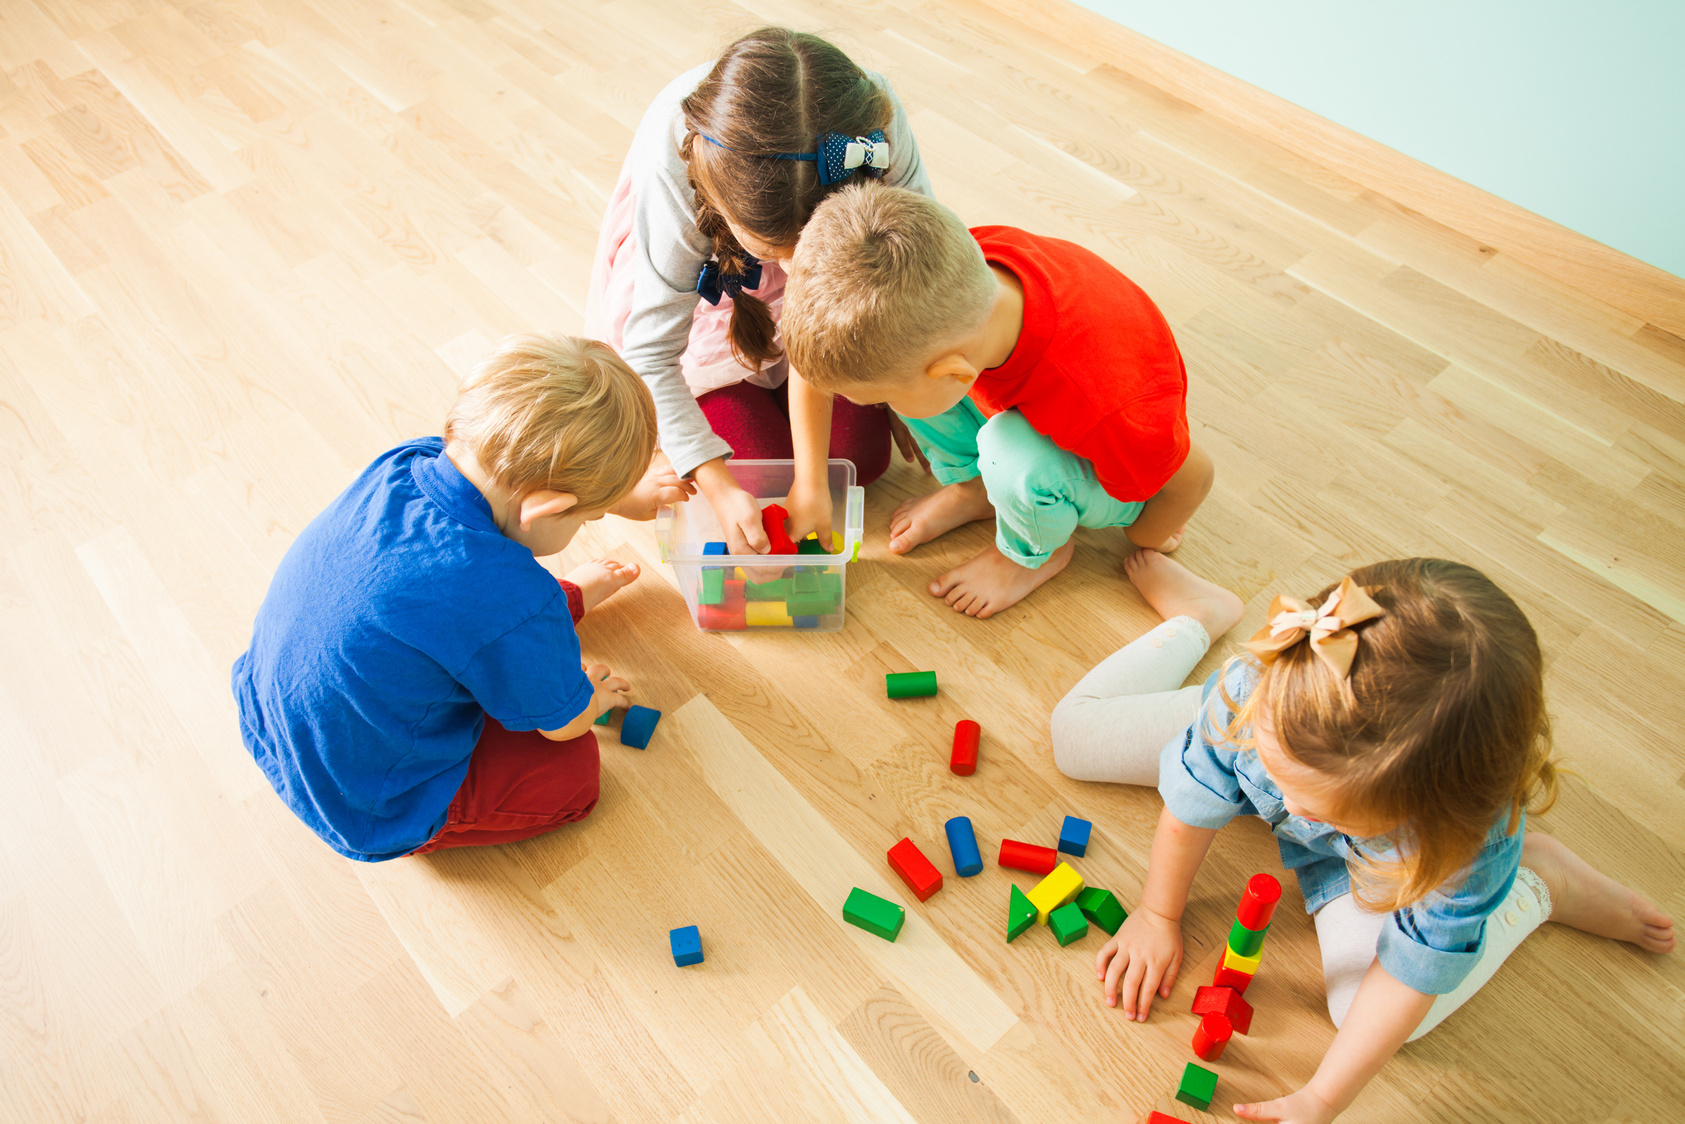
1027	856
1228	977
729	617
964	759
921	877
1211	1035
1225	1001
772	518
1160	1118
1257	903
734	592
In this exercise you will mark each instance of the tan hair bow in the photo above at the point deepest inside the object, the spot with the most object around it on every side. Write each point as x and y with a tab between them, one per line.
1328	626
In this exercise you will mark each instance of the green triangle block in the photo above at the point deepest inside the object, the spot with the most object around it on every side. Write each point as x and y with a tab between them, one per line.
1068	923
1020	915
1102	908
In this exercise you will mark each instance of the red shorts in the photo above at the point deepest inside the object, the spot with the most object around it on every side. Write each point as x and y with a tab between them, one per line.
521	784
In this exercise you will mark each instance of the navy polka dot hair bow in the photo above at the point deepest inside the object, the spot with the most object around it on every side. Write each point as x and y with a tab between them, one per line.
712	284
837	155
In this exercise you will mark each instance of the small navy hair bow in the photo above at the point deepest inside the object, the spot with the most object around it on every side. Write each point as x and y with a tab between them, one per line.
712	284
837	155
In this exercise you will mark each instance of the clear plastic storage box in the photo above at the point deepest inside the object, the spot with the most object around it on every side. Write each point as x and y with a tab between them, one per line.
731	593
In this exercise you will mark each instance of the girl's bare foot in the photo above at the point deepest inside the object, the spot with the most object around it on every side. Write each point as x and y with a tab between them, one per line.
1175	591
991	581
929	516
601	577
1588	899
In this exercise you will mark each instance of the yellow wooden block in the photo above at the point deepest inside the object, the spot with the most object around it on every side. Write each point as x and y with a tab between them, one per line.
1247	964
767	614
1063	885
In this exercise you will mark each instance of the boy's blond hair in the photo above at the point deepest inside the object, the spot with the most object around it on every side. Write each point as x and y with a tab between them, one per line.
881	280
557	412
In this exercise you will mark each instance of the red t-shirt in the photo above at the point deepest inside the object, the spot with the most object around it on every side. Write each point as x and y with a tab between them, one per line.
1095	368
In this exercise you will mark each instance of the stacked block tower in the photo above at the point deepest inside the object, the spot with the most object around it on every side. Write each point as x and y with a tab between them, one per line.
1221	1008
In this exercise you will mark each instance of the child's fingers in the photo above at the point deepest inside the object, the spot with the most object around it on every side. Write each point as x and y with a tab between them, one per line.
1114	973
1170	974
1132	986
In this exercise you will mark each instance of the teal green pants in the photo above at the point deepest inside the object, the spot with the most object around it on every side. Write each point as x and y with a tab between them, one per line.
1041	493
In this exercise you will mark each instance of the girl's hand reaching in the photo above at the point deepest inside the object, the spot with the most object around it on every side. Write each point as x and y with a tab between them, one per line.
659	487
1303	1107
1141	960
736	509
809	505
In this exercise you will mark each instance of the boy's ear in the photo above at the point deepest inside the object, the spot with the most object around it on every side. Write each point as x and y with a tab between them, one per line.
951	365
541	503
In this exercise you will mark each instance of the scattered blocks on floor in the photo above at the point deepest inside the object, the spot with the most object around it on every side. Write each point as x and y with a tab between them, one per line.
1225	1001
712	548
767	614
1058	888
1102	908
713	586
1211	1036
1230	978
918	872
1068	924
962	762
1236	962
1020	915
638	726
1027	857
874	914
1244	941
1073	836
910	684
772	519
1198	1086
687	945
962	845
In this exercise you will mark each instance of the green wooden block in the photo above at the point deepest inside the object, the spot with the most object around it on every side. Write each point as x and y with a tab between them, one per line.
805	583
811	546
1102	908
1020	915
910	684
818	607
713	586
602	719
775	590
873	914
1246	942
1198	1086
1068	923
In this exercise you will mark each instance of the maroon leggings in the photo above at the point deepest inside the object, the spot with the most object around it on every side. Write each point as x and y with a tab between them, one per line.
755	422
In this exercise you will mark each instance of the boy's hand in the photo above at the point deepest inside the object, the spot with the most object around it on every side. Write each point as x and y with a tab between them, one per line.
659	487
609	691
904	441
1303	1107
809	505
1145	955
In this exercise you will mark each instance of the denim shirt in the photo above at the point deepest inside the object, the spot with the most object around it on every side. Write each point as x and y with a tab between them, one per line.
1430	945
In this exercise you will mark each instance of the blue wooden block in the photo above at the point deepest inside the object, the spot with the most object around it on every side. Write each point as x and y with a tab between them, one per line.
806	622
713	548
962	844
638	725
1073	837
687	945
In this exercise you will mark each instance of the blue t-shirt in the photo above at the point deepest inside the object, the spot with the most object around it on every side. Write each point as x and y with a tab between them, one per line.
1430	945
400	618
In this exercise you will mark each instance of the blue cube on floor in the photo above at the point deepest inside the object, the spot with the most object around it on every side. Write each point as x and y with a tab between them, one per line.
713	548
687	945
638	725
962	844
1073	837
806	622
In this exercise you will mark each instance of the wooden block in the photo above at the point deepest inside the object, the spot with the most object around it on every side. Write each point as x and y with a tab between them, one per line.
962	762
712	548
910	684
1198	1086
1020	915
874	914
1233	960
962	845
1073	836
1245	942
722	618
918	872
1068	924
1225	1001
1211	1036
776	590
1027	856
805	622
1161	1118
1055	890
687	945
814	607
713	586
1258	902
1102	908
1228	977
767	614
638	726
772	519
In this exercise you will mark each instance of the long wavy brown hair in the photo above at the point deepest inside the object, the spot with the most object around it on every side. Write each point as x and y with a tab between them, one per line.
1439	730
774	90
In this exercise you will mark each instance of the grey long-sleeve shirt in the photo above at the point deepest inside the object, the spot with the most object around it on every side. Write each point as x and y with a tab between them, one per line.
671	252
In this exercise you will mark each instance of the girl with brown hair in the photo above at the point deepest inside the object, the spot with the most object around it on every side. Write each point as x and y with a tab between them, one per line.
1392	731
726	166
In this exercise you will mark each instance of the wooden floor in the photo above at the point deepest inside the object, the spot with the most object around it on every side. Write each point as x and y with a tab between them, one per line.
246	245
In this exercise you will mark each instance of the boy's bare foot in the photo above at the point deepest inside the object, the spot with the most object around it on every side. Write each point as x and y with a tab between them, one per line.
1588	899
601	577
1176	591
929	516
991	581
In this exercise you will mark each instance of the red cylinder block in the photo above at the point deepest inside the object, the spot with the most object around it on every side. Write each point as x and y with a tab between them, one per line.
1257	904
964	759
1027	856
1211	1035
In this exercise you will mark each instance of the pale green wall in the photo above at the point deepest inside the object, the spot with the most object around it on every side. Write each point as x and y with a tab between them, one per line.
1573	110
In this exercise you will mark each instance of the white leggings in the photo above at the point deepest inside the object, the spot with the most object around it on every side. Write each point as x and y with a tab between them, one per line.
1115	721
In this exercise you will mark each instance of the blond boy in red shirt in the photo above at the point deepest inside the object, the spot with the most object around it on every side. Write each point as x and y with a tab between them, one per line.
1042	384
